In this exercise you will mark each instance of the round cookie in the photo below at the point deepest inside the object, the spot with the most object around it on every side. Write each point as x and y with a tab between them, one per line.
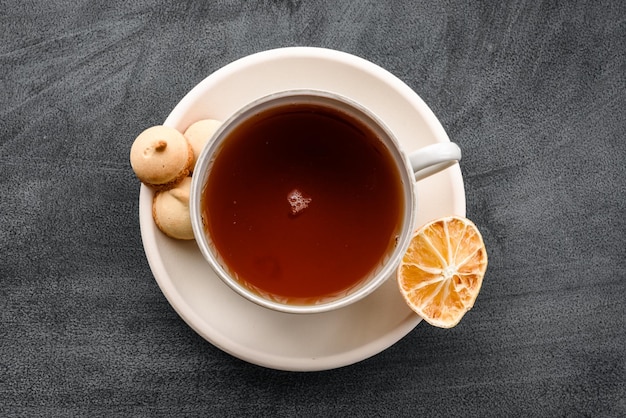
199	133
170	210
161	157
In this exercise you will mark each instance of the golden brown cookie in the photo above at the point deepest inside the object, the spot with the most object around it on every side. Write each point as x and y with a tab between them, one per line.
170	210
199	133
161	157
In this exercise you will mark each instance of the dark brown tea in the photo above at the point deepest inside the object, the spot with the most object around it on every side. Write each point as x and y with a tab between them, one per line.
303	202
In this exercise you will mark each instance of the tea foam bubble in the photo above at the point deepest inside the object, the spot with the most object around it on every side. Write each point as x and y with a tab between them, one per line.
297	201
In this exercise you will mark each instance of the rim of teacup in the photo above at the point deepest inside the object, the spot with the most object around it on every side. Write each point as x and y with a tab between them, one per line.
363	288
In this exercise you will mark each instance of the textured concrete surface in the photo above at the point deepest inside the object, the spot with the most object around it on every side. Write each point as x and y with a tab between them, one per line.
533	91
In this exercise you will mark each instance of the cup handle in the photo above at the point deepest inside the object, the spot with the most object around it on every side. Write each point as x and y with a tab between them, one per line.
434	158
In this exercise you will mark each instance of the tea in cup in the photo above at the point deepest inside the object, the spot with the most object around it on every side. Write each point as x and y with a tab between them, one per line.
304	201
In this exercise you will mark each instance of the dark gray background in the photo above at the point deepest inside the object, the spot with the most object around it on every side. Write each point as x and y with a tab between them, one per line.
533	91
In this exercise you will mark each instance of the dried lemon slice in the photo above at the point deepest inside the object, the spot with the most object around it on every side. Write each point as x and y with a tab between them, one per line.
442	271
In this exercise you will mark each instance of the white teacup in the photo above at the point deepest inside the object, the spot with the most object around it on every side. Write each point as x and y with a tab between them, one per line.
409	169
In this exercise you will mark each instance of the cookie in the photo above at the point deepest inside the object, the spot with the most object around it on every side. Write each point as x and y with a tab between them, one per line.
161	157
199	133
170	210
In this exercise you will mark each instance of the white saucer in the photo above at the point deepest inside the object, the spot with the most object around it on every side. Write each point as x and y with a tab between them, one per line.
250	332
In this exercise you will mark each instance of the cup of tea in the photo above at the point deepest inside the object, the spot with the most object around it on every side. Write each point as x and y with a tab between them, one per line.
304	201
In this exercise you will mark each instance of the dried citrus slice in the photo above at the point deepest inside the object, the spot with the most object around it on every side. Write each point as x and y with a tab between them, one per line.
442	271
